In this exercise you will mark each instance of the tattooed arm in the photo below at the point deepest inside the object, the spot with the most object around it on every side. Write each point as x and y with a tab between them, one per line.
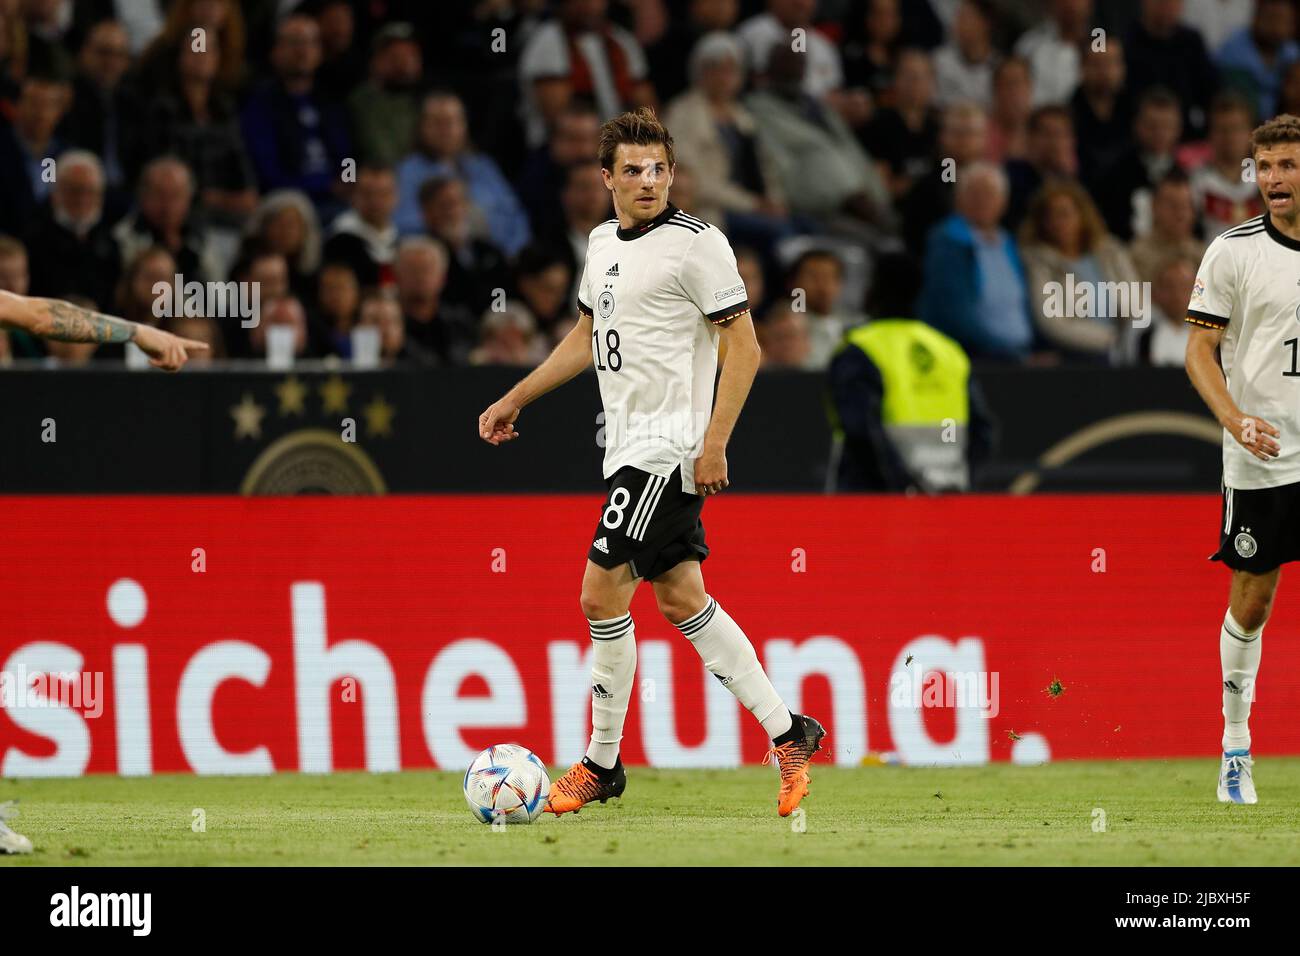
65	322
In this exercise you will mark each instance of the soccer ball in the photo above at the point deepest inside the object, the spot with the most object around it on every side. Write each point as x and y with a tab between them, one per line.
507	782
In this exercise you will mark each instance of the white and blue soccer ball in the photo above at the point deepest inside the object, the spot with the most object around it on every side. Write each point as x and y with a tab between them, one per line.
507	782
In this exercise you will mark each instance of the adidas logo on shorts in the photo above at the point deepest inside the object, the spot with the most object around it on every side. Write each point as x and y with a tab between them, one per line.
600	545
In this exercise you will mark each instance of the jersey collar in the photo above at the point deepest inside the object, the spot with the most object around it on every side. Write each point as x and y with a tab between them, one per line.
1276	234
636	232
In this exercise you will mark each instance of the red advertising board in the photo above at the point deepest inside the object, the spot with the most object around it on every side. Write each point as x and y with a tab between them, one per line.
230	635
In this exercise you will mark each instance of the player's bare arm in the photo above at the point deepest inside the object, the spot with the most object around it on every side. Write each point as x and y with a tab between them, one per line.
743	355
571	356
1253	433
64	322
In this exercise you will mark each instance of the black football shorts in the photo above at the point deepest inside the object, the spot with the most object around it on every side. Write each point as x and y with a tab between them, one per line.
1259	528
648	521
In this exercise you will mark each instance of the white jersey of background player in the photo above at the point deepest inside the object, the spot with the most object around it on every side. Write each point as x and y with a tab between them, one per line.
659	290
1244	358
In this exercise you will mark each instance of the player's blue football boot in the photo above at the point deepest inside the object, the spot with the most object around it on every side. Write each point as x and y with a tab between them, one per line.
1236	780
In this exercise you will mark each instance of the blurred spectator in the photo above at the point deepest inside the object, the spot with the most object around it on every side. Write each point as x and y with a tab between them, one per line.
1123	189
269	272
445	332
286	311
105	112
509	337
963	140
135	296
1289	95
48	29
442	148
586	204
822	170
763	33
1102	110
1165	341
338	301
196	120
1009	121
365	237
142	19
713	134
297	139
902	137
576	139
12	46
872	47
1173	227
1217	19
202	329
1050	155
386	108
15	277
223	24
974	280
750	267
380	309
817	277
343	61
964	66
476	270
1162	52
28	145
907	414
669	54
542	279
579	54
1222	195
72	247
285	222
1065	247
164	217
784	338
1053	49
1254	59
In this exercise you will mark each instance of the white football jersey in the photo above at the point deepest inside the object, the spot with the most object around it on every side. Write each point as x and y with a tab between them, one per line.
657	295
1249	286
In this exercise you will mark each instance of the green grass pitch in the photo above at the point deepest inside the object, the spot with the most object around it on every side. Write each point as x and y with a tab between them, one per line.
1156	812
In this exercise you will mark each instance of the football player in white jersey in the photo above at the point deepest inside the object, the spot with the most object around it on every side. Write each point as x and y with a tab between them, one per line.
1245	307
659	292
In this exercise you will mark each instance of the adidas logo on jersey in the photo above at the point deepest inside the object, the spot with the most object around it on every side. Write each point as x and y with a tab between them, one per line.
613	270
600	545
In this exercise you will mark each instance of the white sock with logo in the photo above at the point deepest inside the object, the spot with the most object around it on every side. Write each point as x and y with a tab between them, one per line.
613	671
730	657
1239	652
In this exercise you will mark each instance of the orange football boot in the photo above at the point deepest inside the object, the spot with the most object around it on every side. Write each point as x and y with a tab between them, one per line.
584	782
793	758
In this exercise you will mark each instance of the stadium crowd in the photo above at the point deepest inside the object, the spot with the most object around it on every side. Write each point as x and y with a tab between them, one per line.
429	168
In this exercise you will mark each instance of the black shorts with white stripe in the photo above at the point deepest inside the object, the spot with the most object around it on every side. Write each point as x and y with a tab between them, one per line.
648	521
1259	528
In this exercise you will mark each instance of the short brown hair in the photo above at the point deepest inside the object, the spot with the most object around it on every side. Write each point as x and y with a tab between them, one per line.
1278	130
635	128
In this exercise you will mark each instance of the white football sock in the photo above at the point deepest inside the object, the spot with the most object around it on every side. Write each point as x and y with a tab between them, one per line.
730	657
1239	651
613	671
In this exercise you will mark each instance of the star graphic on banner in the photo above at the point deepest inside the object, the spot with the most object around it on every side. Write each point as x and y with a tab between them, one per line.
334	395
248	417
379	417
293	396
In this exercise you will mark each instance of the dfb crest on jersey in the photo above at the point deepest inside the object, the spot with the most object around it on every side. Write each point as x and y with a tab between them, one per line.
605	304
1245	544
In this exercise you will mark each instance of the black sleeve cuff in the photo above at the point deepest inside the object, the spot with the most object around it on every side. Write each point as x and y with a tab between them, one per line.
585	309
724	317
1206	320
